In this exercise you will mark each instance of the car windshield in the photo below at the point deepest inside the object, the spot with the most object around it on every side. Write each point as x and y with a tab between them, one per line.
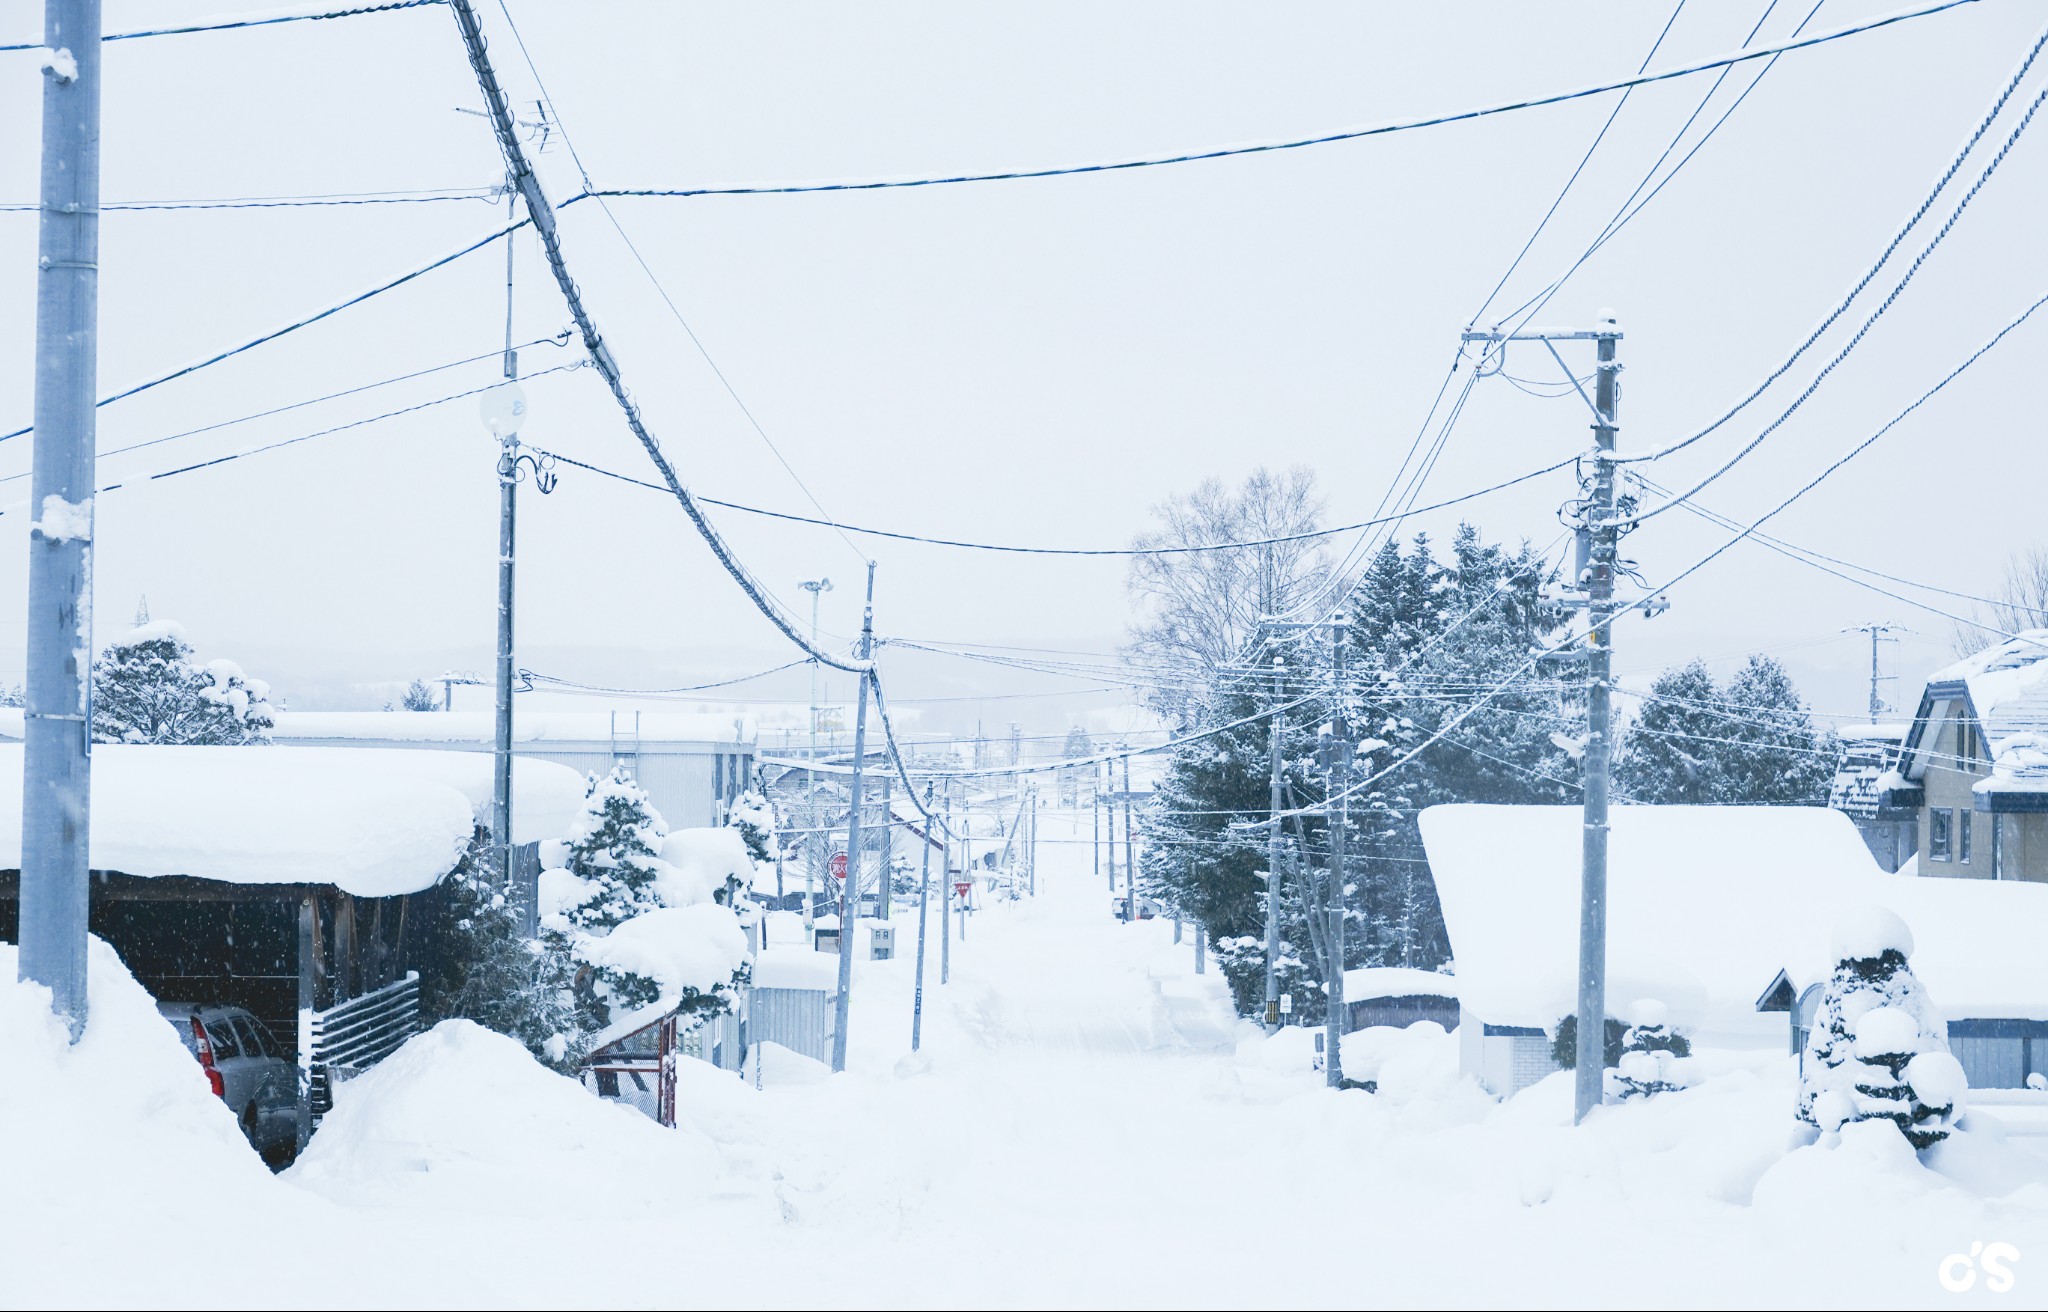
251	1035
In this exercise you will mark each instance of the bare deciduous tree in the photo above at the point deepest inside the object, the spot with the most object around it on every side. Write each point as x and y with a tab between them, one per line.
2022	603
1198	610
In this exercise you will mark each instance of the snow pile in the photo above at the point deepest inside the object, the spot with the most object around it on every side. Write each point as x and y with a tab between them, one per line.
1362	982
63	521
106	1141
796	968
693	947
1867	933
704	861
465	1119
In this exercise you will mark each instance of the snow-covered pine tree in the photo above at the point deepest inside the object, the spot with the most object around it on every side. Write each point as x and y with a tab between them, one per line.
490	972
1667	754
752	816
1879	1049
420	696
1647	1052
1780	758
612	853
146	688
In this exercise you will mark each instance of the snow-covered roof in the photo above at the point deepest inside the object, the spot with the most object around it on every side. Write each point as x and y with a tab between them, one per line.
480	727
373	823
1362	982
2007	684
796	968
1705	906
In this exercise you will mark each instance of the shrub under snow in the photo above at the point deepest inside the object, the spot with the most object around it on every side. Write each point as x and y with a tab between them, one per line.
1879	1049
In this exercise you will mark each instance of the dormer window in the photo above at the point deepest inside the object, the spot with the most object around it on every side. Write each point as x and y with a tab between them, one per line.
1969	745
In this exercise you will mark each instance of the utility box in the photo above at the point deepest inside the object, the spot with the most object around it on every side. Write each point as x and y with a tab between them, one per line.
827	939
882	942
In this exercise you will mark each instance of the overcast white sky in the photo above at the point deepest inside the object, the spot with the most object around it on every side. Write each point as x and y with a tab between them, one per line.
1027	361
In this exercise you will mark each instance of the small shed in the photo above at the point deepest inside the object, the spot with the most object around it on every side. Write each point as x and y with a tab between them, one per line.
790	1000
1398	996
299	883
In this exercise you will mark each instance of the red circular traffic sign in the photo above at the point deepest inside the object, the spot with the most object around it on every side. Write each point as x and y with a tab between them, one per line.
838	865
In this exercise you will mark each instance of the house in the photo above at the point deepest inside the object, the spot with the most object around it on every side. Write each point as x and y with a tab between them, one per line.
1870	752
692	765
1397	996
1707	907
1973	769
299	883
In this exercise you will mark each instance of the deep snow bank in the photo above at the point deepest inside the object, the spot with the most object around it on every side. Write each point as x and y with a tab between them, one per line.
465	1118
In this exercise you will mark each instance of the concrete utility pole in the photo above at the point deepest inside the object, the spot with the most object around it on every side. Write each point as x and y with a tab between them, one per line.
924	904
504	411
1109	821
1130	844
1598	536
946	897
1031	853
887	876
1274	729
1095	823
814	863
1878	633
849	887
1340	823
57	737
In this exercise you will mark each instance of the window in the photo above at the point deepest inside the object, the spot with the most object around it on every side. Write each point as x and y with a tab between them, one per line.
1938	820
221	1034
251	1036
1963	826
1998	847
1969	745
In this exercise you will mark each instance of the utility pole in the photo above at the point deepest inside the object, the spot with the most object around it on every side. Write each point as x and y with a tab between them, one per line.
57	737
1031	853
1340	823
1598	537
849	887
1109	820
1095	823
966	856
814	863
924	904
1274	729
504	411
888	877
1130	844
946	896
1878	633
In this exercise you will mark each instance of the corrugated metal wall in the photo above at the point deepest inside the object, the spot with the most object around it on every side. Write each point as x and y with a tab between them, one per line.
798	1019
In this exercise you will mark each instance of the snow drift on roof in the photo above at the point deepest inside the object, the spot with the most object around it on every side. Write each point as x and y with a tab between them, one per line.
1705	906
372	823
1362	982
480	727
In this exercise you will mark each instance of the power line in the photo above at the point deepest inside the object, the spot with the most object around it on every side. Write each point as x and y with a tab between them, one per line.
1898	238
531	677
674	310
422	196
1067	551
558	339
1298	143
1869	321
230	24
297	324
541	213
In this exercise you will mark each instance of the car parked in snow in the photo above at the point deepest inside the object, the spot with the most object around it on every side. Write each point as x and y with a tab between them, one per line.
1120	907
248	1070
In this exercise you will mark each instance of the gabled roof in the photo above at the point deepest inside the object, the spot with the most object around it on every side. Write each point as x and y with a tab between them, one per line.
2003	688
1705	906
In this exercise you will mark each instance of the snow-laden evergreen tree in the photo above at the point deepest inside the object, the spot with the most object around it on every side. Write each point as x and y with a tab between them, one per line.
755	819
1781	759
1648	1051
1879	1048
488	971
612	856
420	696
1668	754
1751	741
146	688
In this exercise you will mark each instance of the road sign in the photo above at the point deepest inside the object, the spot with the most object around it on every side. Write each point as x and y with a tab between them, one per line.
961	888
838	866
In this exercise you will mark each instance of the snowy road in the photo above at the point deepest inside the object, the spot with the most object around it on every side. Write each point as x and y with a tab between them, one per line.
1087	1125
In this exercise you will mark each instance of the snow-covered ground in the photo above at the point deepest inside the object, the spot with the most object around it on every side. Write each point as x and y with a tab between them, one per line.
1087	1125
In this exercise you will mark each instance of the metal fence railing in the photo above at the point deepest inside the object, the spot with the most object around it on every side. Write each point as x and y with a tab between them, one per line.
355	1035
